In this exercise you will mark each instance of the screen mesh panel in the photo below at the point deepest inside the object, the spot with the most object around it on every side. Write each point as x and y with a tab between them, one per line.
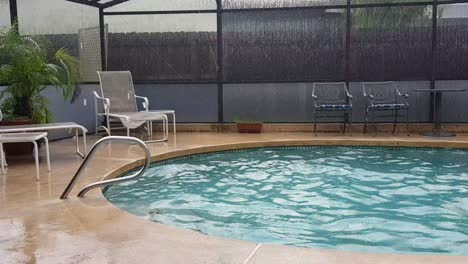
452	42
361	2
4	14
192	102
391	43
284	45
160	5
61	23
55	17
242	4
90	54
164	47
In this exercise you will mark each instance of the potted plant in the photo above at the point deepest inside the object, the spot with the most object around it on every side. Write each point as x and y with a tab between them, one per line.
249	126
27	67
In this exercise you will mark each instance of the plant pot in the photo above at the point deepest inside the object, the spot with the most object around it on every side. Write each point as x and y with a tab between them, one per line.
17	149
249	127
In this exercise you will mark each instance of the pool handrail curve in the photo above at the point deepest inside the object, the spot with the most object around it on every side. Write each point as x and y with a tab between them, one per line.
147	162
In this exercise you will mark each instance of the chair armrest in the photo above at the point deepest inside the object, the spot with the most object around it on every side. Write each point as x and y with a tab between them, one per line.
97	96
105	101
367	95
350	99
406	96
400	94
314	99
145	102
348	94
370	99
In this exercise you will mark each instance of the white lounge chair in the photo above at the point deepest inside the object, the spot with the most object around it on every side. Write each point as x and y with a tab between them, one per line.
120	103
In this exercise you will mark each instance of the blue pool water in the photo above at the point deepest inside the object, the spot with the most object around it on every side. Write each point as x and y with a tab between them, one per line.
360	199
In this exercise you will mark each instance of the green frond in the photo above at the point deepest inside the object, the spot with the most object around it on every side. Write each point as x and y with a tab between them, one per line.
27	69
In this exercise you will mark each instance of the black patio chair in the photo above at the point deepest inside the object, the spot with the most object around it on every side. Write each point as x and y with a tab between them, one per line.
332	97
384	96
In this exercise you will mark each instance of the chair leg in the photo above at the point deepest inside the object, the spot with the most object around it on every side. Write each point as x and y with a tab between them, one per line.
365	120
77	143
85	148
36	159
407	121
344	122
2	158
128	132
373	122
47	152
350	120
315	121
165	128
148	127
108	126
395	116
151	128
174	122
97	125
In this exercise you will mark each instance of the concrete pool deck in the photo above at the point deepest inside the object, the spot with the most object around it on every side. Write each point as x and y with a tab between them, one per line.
37	227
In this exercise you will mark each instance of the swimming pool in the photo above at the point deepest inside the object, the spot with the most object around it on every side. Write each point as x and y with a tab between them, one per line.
351	198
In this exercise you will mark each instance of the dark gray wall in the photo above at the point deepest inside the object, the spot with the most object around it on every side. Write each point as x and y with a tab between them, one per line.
76	112
265	102
293	102
192	103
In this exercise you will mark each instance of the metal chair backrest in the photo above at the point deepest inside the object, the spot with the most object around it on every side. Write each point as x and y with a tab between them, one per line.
330	93
382	92
118	87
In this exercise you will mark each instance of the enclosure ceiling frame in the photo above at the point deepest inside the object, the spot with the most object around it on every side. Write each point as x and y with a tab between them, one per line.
86	2
97	4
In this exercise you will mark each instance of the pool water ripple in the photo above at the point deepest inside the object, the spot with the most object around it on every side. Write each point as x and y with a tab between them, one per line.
360	199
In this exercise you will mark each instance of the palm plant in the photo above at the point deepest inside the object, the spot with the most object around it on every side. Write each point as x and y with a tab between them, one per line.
27	69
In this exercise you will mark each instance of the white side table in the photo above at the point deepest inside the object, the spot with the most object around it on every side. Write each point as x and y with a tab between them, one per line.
51	126
25	137
167	112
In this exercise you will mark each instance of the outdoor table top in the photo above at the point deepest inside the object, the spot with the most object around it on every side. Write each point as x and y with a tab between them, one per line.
38	127
20	137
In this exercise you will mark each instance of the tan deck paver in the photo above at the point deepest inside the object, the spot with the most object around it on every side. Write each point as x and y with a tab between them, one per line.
37	227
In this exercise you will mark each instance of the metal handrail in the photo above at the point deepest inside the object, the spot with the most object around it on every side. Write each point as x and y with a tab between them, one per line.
111	181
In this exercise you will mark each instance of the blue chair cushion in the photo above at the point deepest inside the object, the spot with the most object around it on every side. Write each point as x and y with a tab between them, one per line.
388	106
333	106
